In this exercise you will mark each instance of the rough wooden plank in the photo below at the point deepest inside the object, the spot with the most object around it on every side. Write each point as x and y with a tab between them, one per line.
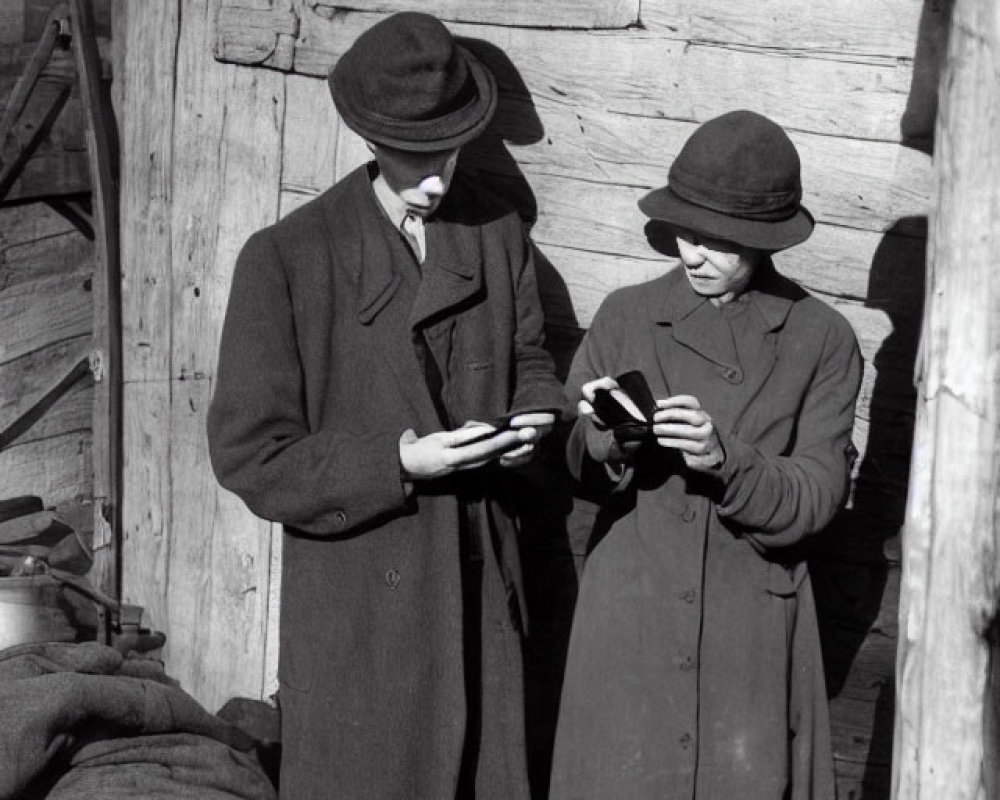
11	23
948	716
26	379
585	14
235	191
642	74
30	325
261	33
47	245
309	142
25	224
220	560
57	469
145	86
146	81
845	28
146	498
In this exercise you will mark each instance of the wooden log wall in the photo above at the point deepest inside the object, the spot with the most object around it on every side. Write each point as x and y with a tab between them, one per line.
227	125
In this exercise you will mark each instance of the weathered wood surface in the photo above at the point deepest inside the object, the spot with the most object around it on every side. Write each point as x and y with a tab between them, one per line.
836	29
60	465
552	14
195	557
946	723
29	325
28	379
643	73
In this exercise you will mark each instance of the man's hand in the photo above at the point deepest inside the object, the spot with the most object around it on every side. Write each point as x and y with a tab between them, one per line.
531	428
681	423
444	452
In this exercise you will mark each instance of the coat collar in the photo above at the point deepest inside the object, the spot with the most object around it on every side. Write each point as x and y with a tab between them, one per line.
451	273
697	324
772	295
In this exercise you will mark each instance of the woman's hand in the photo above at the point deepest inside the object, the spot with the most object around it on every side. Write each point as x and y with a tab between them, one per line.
682	424
602	446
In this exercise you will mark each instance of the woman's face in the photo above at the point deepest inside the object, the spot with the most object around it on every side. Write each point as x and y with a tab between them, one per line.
716	268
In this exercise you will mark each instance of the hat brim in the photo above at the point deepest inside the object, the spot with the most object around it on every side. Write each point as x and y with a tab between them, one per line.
665	206
425	136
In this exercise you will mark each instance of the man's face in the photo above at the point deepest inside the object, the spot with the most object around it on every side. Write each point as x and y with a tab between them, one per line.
716	268
421	180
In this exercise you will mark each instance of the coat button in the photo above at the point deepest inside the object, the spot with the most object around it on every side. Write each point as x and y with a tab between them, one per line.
732	375
392	578
688	514
339	518
687	664
685	740
688	596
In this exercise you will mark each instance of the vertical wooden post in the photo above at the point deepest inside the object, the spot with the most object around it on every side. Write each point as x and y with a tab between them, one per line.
946	743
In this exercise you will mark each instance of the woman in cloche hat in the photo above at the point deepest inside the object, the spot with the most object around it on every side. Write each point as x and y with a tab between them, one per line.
694	666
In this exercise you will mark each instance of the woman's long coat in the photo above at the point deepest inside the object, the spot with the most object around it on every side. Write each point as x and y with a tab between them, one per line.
318	378
694	667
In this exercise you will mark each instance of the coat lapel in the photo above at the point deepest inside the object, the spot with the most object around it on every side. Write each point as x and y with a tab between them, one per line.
452	273
691	321
361	245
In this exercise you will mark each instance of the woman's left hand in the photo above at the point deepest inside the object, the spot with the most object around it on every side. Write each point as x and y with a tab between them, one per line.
682	424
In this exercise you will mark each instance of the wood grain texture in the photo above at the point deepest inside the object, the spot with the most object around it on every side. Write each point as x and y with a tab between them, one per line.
585	14
198	560
29	325
58	468
640	73
837	29
219	566
25	380
946	721
309	143
146	84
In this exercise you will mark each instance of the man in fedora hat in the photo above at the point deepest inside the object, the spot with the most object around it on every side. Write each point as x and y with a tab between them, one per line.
694	666
370	337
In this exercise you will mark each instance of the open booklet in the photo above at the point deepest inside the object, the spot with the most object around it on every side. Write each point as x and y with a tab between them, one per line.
629	410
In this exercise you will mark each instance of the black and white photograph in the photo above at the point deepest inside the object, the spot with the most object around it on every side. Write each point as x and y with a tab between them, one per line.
500	399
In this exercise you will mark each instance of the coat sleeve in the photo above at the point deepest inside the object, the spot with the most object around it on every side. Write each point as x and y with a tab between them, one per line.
590	450
261	448
535	381
783	499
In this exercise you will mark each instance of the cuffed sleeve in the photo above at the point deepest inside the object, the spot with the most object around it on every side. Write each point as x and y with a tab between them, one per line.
785	498
535	380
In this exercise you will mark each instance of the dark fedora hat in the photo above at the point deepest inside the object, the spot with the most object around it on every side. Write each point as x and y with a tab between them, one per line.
736	178
407	84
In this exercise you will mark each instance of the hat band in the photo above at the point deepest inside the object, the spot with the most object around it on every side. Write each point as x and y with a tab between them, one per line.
751	205
457	119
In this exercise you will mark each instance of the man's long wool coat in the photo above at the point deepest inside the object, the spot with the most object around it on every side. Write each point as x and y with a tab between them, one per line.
317	380
694	667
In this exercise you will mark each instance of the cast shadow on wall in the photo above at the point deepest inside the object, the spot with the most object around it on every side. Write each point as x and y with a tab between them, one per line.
550	561
857	590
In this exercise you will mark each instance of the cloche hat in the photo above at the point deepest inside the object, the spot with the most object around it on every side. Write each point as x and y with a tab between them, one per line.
736	178
407	84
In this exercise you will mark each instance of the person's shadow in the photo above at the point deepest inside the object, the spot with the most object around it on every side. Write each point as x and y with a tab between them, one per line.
551	554
856	572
